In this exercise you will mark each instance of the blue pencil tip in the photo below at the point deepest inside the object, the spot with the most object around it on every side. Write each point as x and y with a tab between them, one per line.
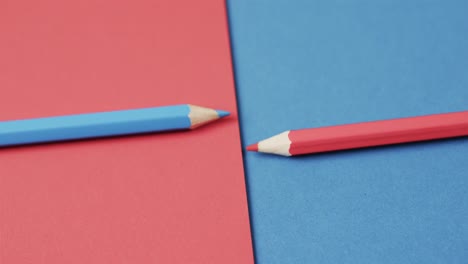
222	113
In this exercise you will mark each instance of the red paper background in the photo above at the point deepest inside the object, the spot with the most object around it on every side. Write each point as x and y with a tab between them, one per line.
164	198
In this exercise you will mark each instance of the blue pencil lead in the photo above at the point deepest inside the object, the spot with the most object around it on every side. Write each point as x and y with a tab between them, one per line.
222	113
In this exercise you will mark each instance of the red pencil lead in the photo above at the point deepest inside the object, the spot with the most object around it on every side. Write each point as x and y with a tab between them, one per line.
253	147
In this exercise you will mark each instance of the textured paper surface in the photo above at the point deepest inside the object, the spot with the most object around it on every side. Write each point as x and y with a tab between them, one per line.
164	198
316	63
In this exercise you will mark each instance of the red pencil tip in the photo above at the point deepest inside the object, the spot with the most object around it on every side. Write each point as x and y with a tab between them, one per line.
253	147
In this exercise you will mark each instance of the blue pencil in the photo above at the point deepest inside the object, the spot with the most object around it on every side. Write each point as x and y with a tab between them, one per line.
105	124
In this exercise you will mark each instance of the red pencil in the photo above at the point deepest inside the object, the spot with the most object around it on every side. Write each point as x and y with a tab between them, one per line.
376	133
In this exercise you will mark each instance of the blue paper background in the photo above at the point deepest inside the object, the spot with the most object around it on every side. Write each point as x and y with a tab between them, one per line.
313	63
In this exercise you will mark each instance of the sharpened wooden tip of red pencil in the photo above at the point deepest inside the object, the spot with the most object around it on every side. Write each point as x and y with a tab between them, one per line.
368	134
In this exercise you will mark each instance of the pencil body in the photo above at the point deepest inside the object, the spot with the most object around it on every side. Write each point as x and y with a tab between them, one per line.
377	133
105	124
